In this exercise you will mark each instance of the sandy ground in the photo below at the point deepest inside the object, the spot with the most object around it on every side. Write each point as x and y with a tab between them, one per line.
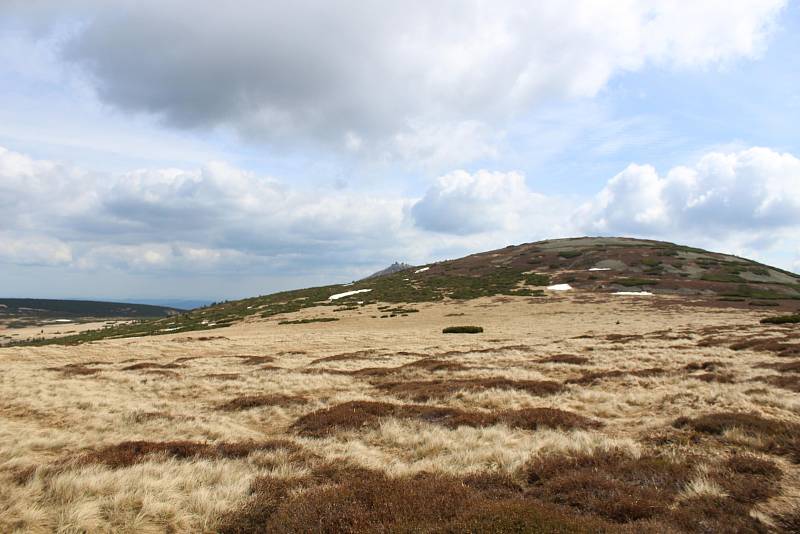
59	404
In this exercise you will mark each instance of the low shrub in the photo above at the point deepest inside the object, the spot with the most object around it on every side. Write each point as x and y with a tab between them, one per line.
316	320
570	253
462	330
782	319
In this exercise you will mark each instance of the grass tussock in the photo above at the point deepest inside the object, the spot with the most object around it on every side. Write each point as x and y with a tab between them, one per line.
592	378
248	402
356	415
255	360
151	365
790	382
367	501
128	453
425	390
346	356
771	436
569	359
709	365
778	346
75	369
604	493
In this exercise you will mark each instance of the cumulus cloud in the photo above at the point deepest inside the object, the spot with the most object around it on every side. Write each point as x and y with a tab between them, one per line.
463	203
222	219
26	249
400	78
749	192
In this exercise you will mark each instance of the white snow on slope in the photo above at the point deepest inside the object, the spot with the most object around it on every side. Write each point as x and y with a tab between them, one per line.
560	287
421	270
347	294
633	293
600	269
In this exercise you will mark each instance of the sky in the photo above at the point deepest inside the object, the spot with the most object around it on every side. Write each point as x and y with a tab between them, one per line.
176	149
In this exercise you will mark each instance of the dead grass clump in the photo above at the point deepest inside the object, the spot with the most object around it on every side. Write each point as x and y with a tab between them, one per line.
222	376
791	382
255	360
710	365
247	402
612	485
623	338
362	414
433	365
74	369
789	521
357	355
128	453
788	367
425	390
184	359
749	479
721	378
365	414
591	378
776	437
151	365
774	345
368	501
711	514
565	358
534	418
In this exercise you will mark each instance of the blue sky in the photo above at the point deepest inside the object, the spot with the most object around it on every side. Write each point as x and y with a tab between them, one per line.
151	154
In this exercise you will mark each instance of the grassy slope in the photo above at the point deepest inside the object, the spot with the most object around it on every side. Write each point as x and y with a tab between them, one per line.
515	270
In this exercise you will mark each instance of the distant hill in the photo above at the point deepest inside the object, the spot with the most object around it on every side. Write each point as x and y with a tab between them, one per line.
598	265
393	268
44	309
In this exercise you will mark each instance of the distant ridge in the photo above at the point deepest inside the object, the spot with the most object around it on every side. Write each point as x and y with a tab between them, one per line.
393	268
71	309
599	266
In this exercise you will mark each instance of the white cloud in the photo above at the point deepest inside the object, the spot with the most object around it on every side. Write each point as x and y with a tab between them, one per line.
463	203
27	249
751	191
429	82
221	219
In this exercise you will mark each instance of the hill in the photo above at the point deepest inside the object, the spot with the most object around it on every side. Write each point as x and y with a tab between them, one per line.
354	408
393	268
17	312
587	265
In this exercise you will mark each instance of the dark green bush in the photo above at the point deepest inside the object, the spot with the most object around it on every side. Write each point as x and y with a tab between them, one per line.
463	330
782	319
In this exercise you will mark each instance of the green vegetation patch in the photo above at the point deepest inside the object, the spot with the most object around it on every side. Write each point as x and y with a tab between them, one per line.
634	282
758	293
462	330
722	277
570	253
782	319
314	320
537	280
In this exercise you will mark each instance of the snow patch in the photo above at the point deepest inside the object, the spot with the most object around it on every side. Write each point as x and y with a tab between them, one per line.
348	293
633	293
421	270
560	287
600	269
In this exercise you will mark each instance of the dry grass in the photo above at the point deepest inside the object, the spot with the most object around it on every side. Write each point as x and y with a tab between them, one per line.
366	426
